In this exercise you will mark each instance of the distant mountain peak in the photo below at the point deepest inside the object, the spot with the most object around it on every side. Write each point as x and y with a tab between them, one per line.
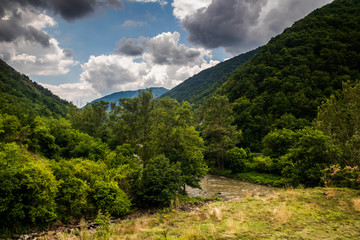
114	97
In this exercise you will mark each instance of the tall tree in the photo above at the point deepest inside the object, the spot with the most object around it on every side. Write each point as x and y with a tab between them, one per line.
176	138
218	132
339	118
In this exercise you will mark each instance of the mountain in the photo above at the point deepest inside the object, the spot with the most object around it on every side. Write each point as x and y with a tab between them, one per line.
284	84
114	97
197	88
20	96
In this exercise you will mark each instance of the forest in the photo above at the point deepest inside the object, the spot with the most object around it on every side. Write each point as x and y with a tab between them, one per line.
289	117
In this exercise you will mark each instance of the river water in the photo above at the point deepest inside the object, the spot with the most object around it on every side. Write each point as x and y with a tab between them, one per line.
228	189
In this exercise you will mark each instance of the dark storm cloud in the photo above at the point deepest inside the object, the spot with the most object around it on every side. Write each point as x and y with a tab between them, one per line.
12	28
166	50
242	25
223	23
174	56
289	11
129	47
68	9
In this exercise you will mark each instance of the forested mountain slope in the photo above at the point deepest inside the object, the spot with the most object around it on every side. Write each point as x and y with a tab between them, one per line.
284	84
20	96
197	88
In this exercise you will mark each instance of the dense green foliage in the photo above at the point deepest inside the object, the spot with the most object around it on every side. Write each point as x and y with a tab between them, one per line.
302	155
296	71
201	86
339	119
160	182
54	168
237	160
23	98
217	130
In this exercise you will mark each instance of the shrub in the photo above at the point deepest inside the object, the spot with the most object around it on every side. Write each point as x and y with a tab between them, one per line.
27	189
237	160
160	182
307	157
110	198
277	142
72	199
342	177
262	164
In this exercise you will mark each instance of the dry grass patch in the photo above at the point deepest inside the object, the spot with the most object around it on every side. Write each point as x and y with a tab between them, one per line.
330	193
282	214
356	204
216	212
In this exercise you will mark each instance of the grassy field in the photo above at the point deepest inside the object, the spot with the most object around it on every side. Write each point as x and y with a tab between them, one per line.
320	213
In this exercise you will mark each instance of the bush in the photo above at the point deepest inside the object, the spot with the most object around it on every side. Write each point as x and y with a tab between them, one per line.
27	189
72	199
160	182
237	160
307	157
110	198
337	176
262	164
299	156
277	142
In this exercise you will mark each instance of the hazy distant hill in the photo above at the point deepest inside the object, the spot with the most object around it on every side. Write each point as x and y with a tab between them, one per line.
114	97
283	85
205	83
20	96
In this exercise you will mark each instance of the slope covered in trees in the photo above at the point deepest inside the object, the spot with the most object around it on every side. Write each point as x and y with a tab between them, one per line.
20	96
286	82
202	85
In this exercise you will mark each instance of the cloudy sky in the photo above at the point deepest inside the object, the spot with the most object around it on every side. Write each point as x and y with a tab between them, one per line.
84	49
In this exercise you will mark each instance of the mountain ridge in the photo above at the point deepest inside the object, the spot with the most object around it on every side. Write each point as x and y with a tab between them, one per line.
114	97
21	96
200	86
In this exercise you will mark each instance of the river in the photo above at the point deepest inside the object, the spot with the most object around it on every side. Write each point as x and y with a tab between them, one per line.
228	189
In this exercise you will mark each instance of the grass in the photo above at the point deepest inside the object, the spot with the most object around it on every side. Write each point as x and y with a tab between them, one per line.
319	213
254	177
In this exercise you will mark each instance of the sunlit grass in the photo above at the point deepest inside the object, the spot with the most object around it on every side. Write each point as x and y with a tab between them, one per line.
295	213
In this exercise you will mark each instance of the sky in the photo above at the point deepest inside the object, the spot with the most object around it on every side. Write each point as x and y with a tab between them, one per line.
85	49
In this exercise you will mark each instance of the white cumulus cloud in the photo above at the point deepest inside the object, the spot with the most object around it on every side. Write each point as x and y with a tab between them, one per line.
34	52
162	62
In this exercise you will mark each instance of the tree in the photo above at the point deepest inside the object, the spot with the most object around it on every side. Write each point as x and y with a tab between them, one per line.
160	127
174	137
237	160
302	155
217	129
27	189
90	119
339	118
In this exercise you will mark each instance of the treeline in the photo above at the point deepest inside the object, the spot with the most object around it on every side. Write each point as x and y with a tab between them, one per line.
141	154
324	153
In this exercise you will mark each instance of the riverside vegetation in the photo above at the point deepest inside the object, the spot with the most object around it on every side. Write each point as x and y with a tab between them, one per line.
297	101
